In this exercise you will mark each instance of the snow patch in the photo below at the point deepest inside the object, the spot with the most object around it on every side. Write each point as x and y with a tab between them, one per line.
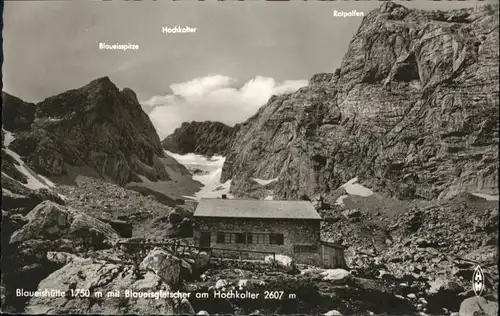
193	161
335	274
354	188
7	138
6	192
210	176
311	270
35	181
282	260
340	200
487	197
47	181
264	182
144	179
269	197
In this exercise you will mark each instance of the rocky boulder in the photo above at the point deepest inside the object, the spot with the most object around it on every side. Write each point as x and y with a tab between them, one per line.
123	228
178	215
52	221
444	293
23	203
163	264
61	259
27	264
104	278
478	306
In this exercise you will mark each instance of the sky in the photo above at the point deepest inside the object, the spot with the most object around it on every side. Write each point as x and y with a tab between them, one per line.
241	53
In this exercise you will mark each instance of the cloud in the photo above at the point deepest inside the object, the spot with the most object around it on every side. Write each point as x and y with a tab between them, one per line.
202	86
213	98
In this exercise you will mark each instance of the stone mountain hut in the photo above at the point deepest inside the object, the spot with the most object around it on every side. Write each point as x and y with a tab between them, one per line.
253	229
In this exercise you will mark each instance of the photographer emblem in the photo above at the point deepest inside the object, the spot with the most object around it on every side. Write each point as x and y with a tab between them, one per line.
478	281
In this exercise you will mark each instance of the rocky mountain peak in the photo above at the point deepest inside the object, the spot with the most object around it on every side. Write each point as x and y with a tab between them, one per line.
97	127
129	95
204	138
100	84
100	95
390	7
103	82
410	116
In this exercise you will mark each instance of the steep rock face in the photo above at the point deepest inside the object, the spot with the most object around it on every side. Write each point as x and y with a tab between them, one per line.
204	138
106	127
17	115
99	128
413	111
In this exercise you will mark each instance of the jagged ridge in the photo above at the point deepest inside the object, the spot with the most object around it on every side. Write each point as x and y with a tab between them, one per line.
203	138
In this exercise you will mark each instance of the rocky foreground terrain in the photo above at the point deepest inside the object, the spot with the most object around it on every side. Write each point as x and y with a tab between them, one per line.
67	242
412	115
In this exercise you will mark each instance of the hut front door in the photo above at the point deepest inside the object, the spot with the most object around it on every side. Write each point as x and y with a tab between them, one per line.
205	238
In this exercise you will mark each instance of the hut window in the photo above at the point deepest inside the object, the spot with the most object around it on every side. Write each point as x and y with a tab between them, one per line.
249	238
239	238
260	239
229	238
305	249
221	237
276	239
